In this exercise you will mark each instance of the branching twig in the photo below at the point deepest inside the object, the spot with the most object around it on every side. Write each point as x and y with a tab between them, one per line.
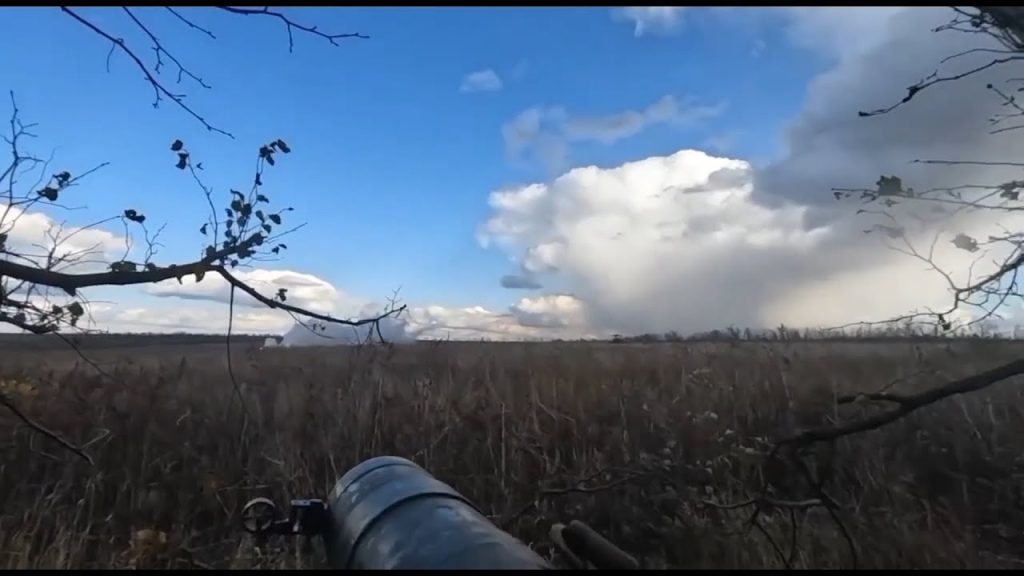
159	89
39	428
577	488
765	502
189	23
934	79
150	74
289	24
159	49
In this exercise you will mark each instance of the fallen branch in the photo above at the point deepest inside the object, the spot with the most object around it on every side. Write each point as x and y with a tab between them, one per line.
577	488
907	404
766	503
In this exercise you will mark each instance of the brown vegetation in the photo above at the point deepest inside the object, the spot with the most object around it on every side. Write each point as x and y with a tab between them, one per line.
655	429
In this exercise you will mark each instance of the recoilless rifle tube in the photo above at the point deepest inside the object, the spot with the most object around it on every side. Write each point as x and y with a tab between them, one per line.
388	513
391	514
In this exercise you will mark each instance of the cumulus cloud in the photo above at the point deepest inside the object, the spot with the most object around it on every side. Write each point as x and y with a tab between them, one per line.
84	248
545	132
544	317
682	243
651	19
481	81
693	242
550	311
195	317
828	145
201	306
659	244
303	290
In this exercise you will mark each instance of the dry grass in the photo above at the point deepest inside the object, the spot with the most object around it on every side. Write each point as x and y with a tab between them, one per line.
502	423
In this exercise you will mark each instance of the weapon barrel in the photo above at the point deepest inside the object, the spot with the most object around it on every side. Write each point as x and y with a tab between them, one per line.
390	514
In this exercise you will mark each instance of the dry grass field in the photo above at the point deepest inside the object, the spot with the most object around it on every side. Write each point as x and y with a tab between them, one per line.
645	432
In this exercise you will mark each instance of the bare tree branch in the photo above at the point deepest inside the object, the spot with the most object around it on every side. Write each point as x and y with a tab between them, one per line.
39	428
31	270
1005	24
907	404
765	502
934	79
159	49
159	89
151	74
189	23
289	25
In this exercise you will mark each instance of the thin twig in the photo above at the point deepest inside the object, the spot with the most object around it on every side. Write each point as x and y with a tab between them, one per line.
289	24
765	502
39	428
908	404
189	23
158	87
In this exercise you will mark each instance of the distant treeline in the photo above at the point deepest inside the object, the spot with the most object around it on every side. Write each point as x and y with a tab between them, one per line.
786	334
101	341
781	334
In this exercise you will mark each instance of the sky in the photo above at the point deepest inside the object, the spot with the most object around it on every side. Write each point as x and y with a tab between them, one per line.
512	172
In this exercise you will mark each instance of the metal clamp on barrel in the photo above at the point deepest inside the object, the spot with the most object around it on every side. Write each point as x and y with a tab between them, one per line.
307	517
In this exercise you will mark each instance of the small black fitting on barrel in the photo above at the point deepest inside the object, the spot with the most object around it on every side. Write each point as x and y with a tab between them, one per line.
390	514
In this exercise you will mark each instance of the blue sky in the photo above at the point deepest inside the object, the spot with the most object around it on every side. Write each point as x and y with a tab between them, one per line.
393	161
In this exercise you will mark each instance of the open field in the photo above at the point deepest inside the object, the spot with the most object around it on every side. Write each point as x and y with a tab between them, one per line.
175	459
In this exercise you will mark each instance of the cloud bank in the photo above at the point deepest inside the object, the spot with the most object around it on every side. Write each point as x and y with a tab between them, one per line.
693	240
302	290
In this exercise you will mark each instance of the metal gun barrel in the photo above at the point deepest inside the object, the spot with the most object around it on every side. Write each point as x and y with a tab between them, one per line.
388	513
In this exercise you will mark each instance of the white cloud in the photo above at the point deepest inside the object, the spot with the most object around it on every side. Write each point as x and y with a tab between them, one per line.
85	249
545	132
201	307
682	243
155	316
692	242
843	32
303	290
829	145
550	311
545	317
648	245
481	81
651	19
